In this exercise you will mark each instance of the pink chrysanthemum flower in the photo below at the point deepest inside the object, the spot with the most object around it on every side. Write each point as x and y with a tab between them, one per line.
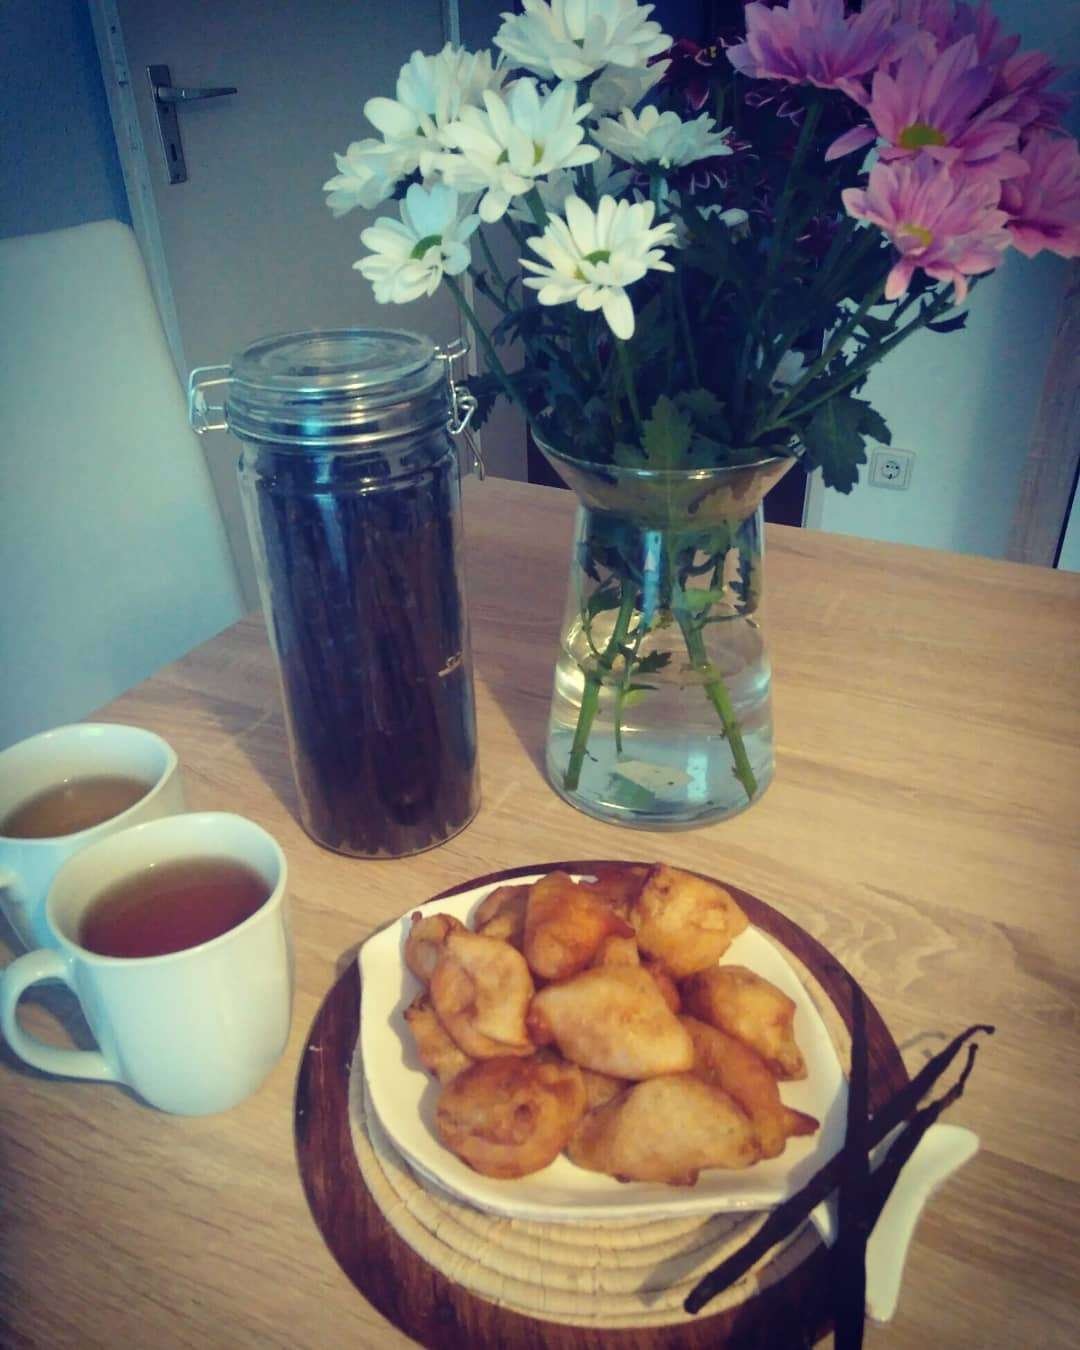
993	45
1024	77
938	106
937	24
1044	204
941	219
934	25
815	42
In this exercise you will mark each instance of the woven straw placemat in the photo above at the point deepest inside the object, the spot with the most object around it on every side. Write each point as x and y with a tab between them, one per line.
623	1274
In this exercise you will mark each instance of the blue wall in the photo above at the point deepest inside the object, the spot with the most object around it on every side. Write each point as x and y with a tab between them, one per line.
58	161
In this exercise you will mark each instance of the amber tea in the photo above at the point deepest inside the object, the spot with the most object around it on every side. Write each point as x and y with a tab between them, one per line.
171	907
78	804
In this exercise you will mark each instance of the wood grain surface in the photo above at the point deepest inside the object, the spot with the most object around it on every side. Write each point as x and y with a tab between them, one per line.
922	825
438	1314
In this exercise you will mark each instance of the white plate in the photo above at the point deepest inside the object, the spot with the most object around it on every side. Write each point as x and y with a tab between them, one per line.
404	1096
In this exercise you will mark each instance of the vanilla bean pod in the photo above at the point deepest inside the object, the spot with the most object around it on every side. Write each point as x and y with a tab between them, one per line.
370	633
787	1217
885	1176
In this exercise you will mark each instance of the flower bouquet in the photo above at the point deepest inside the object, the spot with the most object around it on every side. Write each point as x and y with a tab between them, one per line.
713	247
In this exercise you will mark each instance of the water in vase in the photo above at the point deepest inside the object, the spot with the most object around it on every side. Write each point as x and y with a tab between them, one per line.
656	755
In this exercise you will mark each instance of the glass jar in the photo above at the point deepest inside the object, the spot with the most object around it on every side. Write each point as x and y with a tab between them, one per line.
351	493
661	714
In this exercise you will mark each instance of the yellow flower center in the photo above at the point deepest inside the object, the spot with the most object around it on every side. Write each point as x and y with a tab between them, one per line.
598	255
538	152
919	232
918	134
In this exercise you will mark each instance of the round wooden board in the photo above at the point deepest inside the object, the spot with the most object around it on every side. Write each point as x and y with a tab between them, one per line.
442	1315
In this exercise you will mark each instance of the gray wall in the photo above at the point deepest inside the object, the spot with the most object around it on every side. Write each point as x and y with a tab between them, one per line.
58	161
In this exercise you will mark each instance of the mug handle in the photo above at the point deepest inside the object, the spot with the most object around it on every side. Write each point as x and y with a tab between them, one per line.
23	972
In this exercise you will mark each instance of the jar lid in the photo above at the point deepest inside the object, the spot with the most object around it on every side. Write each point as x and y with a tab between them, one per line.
329	387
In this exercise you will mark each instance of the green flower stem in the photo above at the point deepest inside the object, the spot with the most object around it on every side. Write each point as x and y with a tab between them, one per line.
628	381
585	181
742	374
718	696
640	633
594	679
518	234
488	292
855	372
806	137
684	324
489	258
825	281
536	205
486	343
833	348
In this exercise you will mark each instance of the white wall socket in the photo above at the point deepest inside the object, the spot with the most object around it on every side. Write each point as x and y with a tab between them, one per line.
891	468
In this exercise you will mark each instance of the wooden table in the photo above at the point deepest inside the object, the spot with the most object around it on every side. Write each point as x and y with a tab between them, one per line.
923	824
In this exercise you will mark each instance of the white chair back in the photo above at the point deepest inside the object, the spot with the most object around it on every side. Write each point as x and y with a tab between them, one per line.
113	557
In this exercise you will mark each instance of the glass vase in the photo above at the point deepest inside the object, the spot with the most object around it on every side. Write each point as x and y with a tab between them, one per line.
661	715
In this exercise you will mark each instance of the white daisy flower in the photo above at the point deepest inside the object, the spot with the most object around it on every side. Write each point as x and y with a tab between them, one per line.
367	174
513	142
431	92
618	87
410	256
561	184
662	139
592	256
571	39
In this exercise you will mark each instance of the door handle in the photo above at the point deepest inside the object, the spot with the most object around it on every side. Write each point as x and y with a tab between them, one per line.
166	99
166	93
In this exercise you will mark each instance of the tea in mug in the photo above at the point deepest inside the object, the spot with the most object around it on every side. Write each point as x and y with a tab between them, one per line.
78	804
171	907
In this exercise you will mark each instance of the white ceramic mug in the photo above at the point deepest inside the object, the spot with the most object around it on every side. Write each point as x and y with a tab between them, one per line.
194	1031
83	750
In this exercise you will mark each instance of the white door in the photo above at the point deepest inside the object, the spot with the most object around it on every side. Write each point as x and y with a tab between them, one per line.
247	245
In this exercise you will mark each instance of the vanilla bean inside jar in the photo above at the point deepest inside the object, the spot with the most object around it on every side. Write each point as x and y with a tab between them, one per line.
351	491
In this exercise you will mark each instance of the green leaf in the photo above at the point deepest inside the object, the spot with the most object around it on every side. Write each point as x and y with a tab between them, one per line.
601	600
702	405
877	328
652	662
834	440
873	424
708	414
698	600
485	389
629	794
629	456
651	333
706	451
667	435
948	325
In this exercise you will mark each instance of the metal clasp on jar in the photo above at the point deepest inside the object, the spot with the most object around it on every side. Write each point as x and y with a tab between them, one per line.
205	416
462	403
